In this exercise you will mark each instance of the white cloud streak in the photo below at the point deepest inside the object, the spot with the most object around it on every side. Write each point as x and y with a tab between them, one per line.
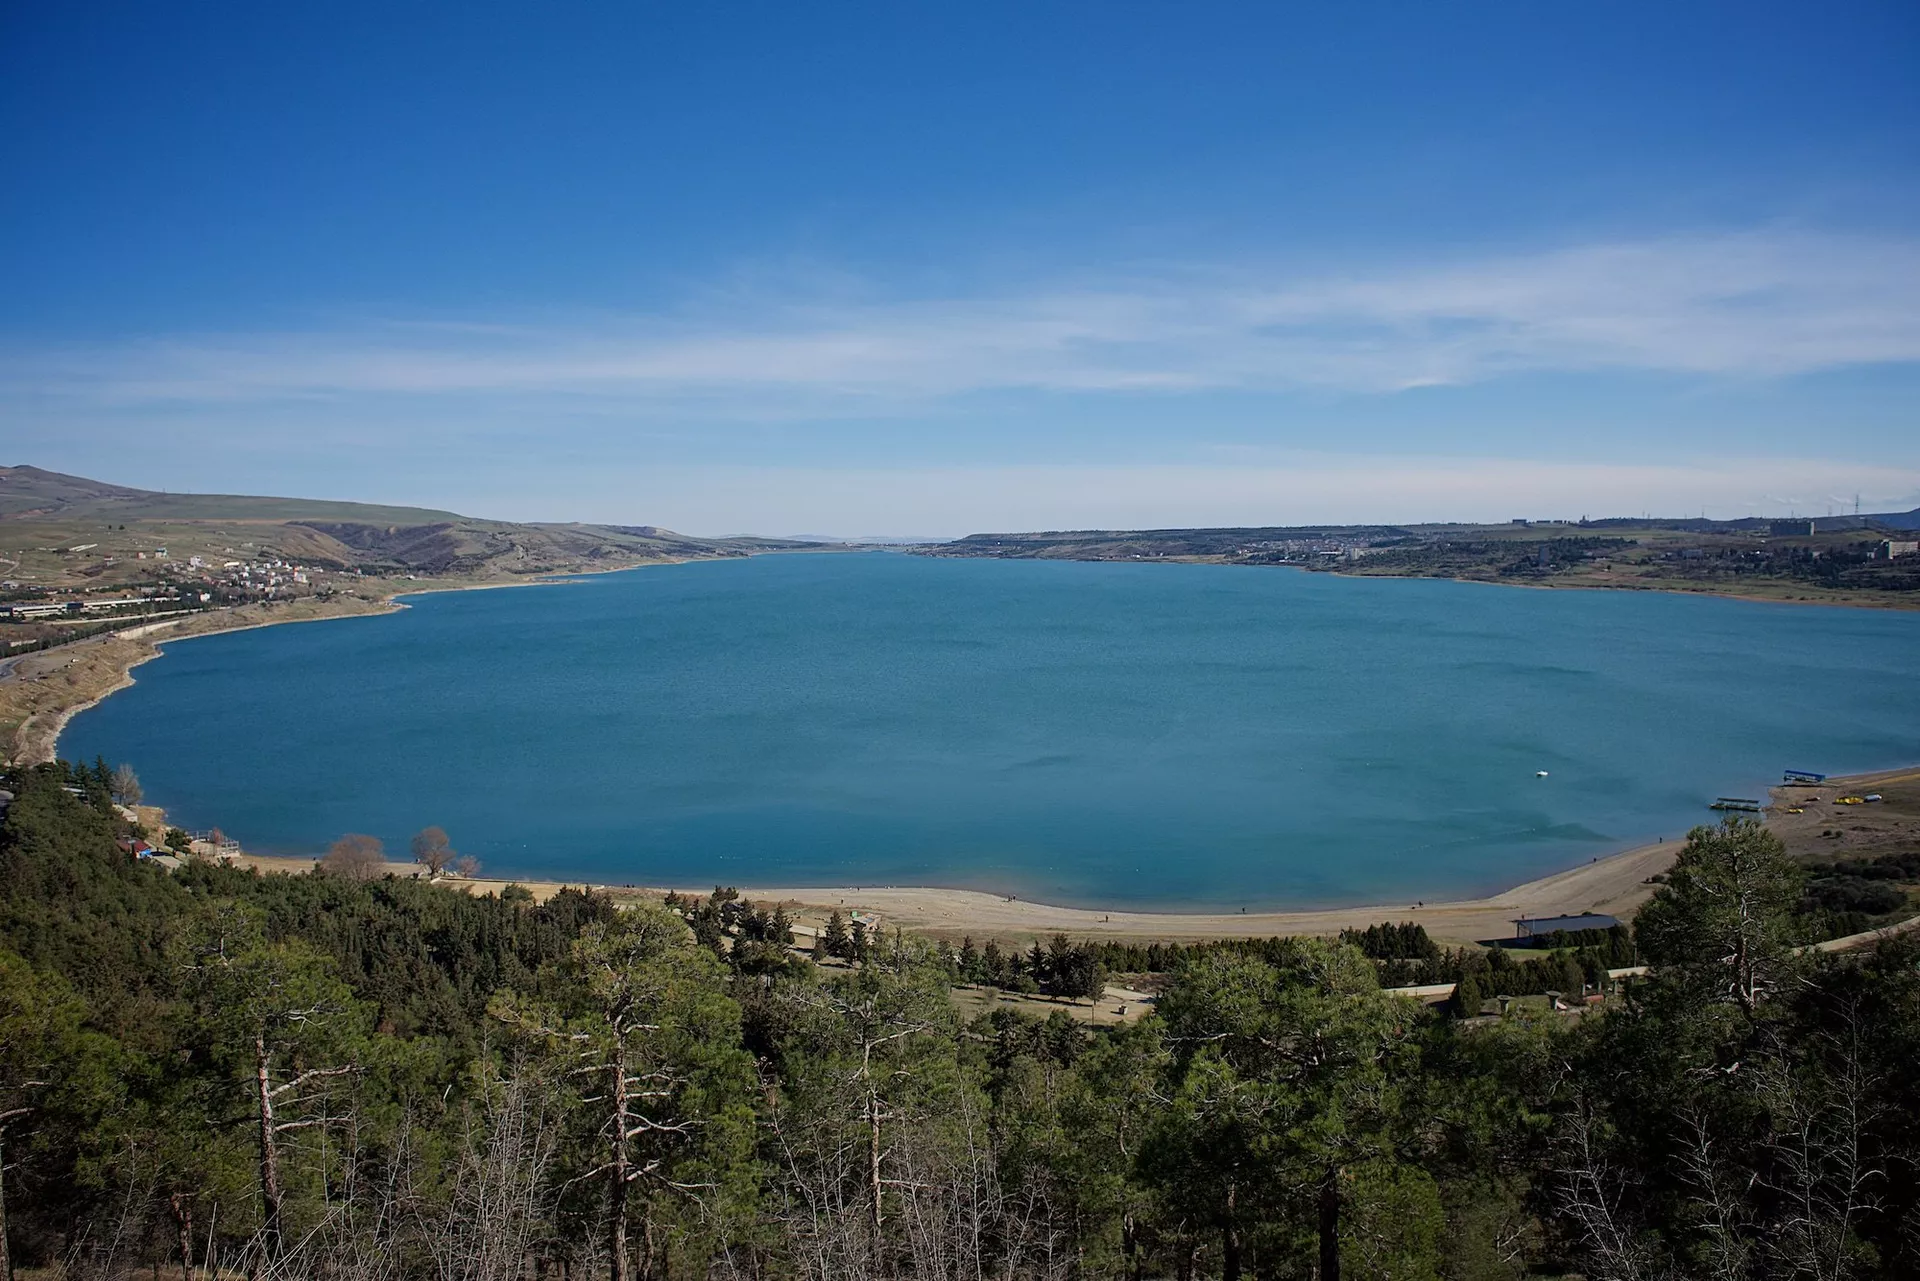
1755	304
1291	488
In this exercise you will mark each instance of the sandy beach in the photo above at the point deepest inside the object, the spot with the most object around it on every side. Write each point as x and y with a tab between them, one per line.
1615	886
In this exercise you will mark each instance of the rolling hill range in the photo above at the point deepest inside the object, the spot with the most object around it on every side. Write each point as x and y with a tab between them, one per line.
1867	559
58	530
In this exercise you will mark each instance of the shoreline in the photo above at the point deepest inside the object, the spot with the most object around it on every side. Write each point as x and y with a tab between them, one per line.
38	735
1847	602
1867	602
1615	885
40	742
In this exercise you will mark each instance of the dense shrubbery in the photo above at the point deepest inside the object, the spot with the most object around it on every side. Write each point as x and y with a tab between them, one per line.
1405	957
321	1077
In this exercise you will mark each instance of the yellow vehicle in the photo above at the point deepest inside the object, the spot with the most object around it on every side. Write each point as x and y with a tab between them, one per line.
1849	800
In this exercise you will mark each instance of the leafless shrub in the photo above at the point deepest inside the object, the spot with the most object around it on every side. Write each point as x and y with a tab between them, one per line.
356	857
432	850
500	1206
1592	1195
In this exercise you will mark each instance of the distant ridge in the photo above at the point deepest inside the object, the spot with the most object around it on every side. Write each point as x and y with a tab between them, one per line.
370	537
1856	560
27	491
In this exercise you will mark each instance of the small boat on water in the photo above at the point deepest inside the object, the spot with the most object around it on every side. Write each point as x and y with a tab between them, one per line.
1539	773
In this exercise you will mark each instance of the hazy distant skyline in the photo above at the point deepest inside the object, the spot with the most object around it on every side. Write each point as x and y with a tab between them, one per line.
919	271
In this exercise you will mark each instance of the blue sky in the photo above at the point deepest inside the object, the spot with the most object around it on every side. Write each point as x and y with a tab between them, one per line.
926	269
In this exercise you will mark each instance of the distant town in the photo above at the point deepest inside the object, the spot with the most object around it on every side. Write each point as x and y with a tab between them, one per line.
120	557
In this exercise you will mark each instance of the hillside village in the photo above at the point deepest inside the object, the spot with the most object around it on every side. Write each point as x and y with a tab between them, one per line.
77	553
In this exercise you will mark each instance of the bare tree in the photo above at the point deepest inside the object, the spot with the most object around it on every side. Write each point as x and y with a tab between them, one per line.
466	865
356	857
500	1201
1827	1168
849	1143
656	1011
279	1014
951	1213
126	785
432	850
1717	1208
1595	1198
8	1117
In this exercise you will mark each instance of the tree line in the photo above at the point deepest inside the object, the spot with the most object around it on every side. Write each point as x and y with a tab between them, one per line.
215	1072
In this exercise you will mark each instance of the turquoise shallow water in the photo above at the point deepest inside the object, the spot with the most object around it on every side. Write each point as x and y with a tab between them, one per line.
1101	734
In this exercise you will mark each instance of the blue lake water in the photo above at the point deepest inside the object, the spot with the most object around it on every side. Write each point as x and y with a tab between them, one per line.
1099	734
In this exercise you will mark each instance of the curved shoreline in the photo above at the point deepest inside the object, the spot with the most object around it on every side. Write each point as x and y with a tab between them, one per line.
1616	885
1838	600
37	737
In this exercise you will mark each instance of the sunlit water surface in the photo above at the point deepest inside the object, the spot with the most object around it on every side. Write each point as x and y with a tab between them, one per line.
1102	734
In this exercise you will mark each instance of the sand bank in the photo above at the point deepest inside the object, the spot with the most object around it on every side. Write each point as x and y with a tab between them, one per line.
1616	886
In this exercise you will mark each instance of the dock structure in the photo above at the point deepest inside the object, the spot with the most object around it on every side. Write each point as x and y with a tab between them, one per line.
1802	776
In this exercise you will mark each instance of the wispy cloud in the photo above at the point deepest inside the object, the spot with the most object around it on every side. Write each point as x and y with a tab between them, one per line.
1754	304
1284	488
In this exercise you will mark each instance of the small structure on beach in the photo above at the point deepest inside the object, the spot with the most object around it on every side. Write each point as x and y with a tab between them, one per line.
1527	927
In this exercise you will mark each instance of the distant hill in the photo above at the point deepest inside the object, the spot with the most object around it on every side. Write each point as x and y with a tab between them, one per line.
90	521
34	492
1838	559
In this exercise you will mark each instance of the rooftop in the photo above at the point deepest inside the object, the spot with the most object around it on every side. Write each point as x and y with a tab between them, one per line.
1524	926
